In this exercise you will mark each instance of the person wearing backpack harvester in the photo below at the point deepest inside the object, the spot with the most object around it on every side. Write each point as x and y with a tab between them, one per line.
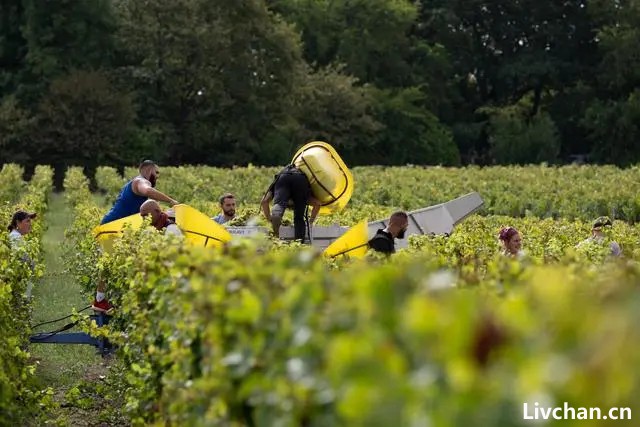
290	184
383	241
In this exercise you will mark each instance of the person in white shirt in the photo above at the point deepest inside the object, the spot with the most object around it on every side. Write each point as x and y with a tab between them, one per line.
19	227
599	237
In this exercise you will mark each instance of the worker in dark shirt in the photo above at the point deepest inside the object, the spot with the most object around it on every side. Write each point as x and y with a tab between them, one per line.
290	185
383	241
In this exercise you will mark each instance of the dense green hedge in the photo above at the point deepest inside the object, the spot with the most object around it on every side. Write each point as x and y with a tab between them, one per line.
264	336
80	248
11	181
446	333
583	192
19	399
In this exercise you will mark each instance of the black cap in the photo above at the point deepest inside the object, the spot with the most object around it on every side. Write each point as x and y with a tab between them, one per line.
20	216
602	222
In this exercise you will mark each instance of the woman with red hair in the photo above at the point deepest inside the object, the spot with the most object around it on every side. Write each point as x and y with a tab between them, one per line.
511	242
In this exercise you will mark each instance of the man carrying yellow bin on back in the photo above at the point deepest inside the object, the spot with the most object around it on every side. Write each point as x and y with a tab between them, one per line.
316	176
290	185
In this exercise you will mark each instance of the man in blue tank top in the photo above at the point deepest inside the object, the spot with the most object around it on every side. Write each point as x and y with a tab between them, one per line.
136	192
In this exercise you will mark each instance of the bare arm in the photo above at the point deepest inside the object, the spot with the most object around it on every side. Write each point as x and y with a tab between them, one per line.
142	187
264	204
316	208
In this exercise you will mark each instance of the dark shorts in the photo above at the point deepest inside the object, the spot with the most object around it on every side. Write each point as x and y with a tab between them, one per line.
292	186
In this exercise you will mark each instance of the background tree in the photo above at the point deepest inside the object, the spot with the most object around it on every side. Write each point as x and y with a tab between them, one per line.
375	41
13	46
506	50
386	81
611	118
83	120
329	106
16	124
62	36
214	78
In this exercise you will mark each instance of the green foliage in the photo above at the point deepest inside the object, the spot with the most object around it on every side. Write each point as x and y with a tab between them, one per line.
19	397
330	107
108	180
220	76
617	36
265	333
63	36
384	80
12	45
516	139
412	134
613	128
80	248
611	119
15	125
372	41
582	192
371	37
99	400
84	120
474	243
12	183
259	335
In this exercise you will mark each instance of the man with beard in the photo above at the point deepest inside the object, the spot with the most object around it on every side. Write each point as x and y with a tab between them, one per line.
383	241
228	206
136	192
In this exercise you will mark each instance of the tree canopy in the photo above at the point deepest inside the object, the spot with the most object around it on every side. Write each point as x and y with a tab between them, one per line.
385	81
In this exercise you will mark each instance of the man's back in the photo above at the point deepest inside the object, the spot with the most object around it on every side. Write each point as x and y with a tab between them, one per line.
127	203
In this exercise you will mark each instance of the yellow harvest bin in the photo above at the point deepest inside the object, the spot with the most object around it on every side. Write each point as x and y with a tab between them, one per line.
331	181
105	234
199	229
353	243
